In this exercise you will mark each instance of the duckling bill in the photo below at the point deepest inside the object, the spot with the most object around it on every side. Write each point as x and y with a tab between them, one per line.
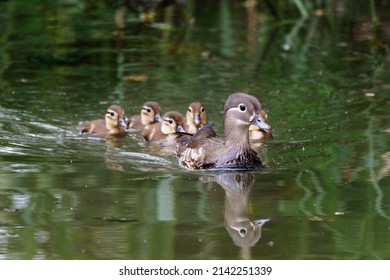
232	153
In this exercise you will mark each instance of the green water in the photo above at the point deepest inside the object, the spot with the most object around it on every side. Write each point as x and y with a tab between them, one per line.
323	81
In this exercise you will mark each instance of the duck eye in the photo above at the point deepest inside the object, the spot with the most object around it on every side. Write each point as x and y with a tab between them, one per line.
243	231
170	121
242	107
111	113
148	110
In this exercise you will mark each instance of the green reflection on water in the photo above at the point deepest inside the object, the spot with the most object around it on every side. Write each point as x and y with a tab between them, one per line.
322	82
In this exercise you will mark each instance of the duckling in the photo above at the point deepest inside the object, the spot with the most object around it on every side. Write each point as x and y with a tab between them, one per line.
196	117
165	132
234	152
255	133
113	125
150	114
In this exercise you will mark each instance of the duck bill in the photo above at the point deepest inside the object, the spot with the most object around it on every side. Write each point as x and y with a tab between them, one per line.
197	119
180	128
123	122
260	221
258	121
158	118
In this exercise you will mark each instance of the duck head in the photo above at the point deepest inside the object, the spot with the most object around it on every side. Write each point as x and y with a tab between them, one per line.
241	111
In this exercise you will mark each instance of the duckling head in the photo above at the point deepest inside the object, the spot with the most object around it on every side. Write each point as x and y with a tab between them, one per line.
196	114
150	113
115	117
172	123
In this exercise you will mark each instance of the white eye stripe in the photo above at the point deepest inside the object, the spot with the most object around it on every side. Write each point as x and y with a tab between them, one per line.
241	108
111	113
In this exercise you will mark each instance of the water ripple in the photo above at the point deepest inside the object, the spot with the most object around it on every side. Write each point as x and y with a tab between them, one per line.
11	151
145	158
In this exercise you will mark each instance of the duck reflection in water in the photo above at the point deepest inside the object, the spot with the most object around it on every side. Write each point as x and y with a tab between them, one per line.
244	231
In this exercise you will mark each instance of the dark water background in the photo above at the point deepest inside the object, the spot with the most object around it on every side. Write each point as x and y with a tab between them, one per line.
323	79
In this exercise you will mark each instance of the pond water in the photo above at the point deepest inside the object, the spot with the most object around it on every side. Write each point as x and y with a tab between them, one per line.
323	80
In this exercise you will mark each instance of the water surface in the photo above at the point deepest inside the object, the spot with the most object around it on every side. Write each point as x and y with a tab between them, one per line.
323	81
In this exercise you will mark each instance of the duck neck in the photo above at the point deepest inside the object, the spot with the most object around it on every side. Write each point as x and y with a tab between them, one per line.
236	134
144	120
116	130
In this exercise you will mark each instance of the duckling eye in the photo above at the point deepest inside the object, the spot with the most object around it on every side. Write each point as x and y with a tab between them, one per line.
202	110
111	113
242	107
148	110
189	109
170	121
243	231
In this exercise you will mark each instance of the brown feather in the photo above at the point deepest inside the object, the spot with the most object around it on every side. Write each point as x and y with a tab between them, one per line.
205	150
